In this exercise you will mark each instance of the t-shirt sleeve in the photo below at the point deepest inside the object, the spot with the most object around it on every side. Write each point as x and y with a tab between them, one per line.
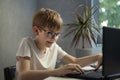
24	49
61	52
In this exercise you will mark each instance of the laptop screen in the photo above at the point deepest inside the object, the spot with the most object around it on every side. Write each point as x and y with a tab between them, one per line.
111	51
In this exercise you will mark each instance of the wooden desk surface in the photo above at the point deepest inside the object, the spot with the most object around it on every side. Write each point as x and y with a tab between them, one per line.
60	78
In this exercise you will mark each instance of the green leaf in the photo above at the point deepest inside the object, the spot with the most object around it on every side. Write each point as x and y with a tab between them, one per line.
83	27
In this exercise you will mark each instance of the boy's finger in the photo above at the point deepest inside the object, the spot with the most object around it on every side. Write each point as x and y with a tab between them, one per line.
80	69
97	67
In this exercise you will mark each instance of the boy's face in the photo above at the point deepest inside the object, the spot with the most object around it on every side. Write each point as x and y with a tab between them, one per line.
47	37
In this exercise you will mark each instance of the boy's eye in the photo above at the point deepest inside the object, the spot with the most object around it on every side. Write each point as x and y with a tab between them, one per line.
51	34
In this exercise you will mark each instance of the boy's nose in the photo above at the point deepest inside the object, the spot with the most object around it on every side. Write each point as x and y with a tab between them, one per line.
54	37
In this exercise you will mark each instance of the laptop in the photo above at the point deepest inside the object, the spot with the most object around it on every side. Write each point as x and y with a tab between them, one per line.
111	58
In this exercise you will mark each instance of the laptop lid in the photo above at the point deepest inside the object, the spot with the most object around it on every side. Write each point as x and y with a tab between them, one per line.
111	51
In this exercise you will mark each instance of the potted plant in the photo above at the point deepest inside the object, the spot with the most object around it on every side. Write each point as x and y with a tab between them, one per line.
84	28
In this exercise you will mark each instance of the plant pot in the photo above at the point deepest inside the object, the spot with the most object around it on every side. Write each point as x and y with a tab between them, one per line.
84	52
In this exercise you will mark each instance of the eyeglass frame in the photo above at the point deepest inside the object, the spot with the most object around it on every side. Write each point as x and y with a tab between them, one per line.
50	34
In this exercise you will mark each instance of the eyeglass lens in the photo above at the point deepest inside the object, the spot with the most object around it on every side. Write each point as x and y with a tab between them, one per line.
52	34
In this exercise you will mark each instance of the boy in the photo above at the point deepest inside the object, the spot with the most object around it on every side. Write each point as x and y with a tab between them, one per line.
36	58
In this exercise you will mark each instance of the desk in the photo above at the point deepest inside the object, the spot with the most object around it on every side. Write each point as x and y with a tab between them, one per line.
60	78
63	78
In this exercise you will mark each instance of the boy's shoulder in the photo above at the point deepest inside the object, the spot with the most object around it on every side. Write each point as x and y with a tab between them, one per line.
27	39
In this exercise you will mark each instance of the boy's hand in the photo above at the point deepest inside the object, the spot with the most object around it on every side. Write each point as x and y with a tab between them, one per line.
99	62
97	67
69	69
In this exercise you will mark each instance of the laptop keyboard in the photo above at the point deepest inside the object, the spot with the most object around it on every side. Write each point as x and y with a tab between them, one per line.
87	75
93	73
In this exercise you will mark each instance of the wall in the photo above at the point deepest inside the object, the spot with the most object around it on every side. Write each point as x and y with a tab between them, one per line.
15	23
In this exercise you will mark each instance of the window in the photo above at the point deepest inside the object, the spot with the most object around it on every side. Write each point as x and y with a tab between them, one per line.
109	13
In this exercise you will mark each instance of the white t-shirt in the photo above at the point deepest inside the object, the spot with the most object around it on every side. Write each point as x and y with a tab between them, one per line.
39	60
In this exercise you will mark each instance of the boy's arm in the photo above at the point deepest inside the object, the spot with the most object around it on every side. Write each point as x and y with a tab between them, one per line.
24	72
83	61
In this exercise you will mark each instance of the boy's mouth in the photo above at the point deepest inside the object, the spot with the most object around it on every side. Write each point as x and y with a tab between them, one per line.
50	42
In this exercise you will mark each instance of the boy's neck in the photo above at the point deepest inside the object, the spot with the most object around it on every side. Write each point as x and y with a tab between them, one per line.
40	47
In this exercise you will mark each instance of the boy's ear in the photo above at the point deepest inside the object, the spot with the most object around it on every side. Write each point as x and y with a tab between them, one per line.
36	30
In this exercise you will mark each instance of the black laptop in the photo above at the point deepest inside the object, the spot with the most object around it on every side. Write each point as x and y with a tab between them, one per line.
111	58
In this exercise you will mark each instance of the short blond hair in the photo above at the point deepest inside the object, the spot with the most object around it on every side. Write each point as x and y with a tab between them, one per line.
47	18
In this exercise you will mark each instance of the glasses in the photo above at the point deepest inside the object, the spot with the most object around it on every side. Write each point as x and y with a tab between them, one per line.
51	34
